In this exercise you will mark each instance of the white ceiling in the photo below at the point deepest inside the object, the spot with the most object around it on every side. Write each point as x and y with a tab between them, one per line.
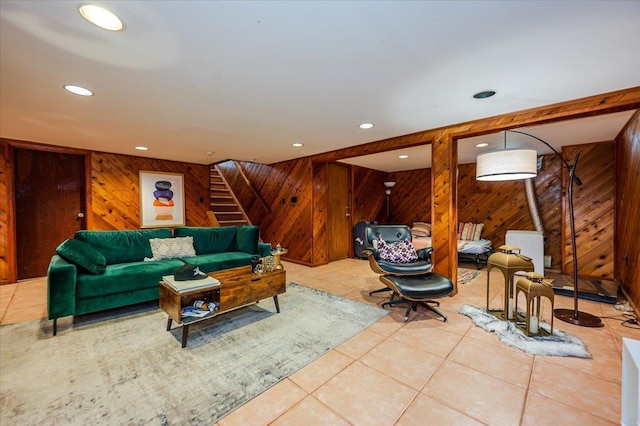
247	79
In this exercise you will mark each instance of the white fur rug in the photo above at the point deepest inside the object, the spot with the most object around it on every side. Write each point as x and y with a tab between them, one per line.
559	344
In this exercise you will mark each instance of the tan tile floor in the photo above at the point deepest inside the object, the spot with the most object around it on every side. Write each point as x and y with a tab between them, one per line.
425	371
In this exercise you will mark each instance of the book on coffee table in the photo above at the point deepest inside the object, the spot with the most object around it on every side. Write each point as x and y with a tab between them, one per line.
182	286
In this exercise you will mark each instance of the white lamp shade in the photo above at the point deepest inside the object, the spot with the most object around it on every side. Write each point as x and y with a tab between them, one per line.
509	164
389	184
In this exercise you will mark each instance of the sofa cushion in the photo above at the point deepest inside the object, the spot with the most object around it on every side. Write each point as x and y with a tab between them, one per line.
125	278
122	246
210	240
82	255
171	248
247	239
218	261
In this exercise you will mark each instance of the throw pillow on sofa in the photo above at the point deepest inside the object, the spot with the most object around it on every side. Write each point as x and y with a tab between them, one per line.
398	252
83	255
470	231
247	239
171	248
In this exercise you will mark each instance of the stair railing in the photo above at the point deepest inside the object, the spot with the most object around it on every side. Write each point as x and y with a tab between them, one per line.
261	200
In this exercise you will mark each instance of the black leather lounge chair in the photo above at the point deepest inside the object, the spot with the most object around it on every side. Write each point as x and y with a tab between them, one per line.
413	282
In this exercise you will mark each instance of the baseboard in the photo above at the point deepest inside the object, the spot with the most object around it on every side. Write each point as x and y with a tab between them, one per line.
597	290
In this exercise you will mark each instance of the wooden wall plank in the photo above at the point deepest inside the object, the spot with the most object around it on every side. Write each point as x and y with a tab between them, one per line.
444	206
369	198
594	208
627	224
7	225
411	196
320	226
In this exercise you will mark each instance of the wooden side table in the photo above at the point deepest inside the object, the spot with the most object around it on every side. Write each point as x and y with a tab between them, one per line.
276	254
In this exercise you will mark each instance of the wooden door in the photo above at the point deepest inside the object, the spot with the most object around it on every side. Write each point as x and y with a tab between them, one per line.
339	212
49	206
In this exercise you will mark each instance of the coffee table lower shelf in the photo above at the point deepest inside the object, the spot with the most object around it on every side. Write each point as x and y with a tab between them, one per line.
237	288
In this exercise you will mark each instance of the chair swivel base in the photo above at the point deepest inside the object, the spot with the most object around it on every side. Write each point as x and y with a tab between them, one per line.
380	290
414	306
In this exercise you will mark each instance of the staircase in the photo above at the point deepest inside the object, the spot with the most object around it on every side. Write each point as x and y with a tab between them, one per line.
225	209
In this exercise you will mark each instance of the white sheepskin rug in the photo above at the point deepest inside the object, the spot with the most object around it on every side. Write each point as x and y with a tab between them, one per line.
558	344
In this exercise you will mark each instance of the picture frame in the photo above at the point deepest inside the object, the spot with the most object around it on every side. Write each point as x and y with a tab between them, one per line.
161	199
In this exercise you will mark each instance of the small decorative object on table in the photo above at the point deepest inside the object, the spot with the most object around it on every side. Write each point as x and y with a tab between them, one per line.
269	263
279	251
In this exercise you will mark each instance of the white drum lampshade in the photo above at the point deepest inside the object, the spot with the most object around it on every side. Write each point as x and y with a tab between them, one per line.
509	164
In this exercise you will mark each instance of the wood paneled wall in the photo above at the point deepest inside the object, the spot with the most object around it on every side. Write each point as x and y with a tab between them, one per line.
411	196
114	194
116	191
627	262
499	205
5	205
296	225
369	198
292	225
594	210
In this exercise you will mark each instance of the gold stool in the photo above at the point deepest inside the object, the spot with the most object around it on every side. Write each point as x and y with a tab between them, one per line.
533	288
509	262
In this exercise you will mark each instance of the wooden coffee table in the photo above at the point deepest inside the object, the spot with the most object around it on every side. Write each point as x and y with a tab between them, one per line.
236	289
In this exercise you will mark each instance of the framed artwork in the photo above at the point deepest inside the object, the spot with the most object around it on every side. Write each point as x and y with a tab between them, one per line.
161	199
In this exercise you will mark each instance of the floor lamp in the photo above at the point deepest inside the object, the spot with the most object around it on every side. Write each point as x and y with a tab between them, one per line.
389	185
512	164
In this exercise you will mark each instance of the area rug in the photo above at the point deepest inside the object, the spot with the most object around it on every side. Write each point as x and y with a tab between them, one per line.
466	275
130	370
558	344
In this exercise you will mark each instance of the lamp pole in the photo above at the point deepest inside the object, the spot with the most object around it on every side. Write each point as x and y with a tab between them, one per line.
388	206
389	185
573	316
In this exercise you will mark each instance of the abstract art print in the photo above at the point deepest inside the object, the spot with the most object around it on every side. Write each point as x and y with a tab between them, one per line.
161	199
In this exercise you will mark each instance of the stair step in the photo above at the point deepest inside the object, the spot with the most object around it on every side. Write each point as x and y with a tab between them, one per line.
232	222
228	216
224	208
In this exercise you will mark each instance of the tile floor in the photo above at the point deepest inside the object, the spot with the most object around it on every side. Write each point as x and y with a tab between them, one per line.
425	371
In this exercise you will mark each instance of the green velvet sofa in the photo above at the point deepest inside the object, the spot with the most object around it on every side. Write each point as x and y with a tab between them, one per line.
100	270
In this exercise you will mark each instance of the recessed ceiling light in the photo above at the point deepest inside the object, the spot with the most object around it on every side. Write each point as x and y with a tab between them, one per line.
366	126
297	144
481	145
484	94
78	90
403	156
101	17
142	148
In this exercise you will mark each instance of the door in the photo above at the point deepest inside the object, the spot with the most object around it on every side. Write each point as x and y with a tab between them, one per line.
339	211
49	206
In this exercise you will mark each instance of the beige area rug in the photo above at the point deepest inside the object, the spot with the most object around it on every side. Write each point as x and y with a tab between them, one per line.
467	275
130	370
